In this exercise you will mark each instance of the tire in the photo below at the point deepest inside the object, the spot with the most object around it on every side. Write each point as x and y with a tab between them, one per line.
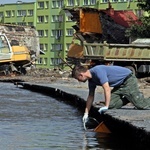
23	71
132	69
7	69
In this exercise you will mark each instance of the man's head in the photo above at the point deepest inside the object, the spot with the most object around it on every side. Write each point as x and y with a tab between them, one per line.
80	73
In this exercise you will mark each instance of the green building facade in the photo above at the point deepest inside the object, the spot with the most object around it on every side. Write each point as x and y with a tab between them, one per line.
18	13
54	27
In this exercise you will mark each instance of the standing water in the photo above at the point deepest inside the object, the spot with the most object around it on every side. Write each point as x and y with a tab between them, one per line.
32	121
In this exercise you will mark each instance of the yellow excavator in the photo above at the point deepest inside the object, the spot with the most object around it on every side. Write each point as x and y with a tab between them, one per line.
12	58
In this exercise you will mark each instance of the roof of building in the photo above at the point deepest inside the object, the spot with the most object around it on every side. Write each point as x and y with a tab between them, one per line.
15	1
123	17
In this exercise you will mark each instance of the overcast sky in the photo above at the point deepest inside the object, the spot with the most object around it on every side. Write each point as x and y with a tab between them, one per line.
14	1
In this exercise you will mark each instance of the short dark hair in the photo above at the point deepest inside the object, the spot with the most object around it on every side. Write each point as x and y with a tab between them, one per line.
77	70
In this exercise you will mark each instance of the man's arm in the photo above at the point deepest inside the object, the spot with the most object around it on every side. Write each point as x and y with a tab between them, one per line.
107	93
89	101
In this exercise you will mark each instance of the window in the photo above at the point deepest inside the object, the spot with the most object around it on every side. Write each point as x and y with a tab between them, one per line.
42	47
41	33
57	33
85	2
45	47
92	2
13	13
40	60
104	1
60	18
60	3
30	23
67	46
68	18
1	14
56	47
30	12
41	5
57	18
123	0
77	2
70	32
8	13
114	0
4	45
70	2
21	13
46	4
46	33
22	23
57	4
139	12
40	19
56	61
46	19
45	61
54	4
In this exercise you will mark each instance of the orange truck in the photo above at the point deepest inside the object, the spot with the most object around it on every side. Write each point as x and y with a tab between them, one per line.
93	45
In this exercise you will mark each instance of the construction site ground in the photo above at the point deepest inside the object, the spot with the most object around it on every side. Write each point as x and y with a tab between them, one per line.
63	78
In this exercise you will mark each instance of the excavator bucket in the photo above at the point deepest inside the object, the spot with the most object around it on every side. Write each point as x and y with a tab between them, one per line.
102	128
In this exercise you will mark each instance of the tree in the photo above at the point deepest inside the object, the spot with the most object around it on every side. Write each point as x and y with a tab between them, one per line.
144	5
142	29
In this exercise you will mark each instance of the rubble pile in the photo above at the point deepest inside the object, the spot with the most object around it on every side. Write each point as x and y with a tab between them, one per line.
43	72
112	32
21	35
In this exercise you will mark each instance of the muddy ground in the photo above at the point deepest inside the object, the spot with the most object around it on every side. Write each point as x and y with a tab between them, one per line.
64	77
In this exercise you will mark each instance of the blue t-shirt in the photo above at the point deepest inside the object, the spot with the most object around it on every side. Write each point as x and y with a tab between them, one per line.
114	75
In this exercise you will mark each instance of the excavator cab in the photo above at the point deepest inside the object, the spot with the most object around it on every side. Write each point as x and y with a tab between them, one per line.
12	58
5	49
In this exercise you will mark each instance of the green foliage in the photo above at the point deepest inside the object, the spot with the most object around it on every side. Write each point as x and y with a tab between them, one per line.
141	30
144	5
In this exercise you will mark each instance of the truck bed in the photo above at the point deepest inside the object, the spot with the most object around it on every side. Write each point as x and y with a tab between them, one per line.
118	52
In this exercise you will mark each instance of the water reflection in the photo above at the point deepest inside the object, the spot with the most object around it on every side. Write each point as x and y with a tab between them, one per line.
34	121
95	141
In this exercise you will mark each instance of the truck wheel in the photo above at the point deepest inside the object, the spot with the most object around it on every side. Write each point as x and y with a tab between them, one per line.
132	69
23	71
7	69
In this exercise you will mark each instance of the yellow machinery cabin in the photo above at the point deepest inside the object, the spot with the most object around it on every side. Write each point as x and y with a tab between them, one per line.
20	54
12	57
